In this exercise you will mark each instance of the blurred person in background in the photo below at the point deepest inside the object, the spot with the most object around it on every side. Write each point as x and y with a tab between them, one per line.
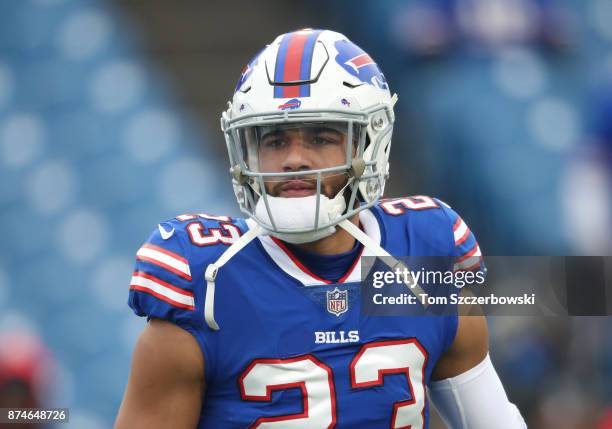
587	185
26	374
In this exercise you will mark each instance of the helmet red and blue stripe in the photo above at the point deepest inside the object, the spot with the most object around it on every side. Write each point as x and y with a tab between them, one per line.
293	64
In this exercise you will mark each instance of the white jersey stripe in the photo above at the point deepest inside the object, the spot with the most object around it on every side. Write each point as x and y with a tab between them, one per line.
165	259
162	290
461	232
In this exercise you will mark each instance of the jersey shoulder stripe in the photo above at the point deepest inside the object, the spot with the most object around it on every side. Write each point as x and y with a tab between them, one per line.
162	290
461	231
165	259
468	256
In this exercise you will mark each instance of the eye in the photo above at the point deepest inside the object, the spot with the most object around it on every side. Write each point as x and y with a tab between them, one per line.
325	138
319	140
272	142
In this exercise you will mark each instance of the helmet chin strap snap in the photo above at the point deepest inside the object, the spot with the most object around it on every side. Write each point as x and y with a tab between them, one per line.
238	175
357	168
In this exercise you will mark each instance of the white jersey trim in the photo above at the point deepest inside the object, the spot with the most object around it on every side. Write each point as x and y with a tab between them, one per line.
165	259
279	256
162	290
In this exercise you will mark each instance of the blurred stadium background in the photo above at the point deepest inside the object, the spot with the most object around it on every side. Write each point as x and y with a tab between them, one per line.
109	124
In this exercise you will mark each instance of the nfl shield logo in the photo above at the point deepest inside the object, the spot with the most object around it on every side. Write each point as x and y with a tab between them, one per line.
337	301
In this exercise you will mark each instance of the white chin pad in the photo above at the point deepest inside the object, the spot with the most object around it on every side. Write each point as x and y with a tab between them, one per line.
294	218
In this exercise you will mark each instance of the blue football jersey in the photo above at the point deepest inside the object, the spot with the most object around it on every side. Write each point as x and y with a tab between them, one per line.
294	350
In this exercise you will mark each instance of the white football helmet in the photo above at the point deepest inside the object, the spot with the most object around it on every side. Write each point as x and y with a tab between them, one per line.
309	82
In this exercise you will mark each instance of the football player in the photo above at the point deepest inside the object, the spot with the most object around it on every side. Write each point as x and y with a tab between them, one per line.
258	322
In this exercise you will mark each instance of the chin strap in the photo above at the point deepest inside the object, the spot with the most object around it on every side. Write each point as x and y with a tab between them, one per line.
381	253
213	269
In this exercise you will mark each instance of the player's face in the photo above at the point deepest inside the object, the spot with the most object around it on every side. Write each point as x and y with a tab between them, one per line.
300	149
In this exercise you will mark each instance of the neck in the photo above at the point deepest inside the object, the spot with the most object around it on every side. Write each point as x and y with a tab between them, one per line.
339	242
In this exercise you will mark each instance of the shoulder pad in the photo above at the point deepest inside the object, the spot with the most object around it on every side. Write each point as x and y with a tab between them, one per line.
168	279
432	221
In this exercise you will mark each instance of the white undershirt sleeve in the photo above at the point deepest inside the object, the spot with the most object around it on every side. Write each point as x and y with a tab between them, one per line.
475	400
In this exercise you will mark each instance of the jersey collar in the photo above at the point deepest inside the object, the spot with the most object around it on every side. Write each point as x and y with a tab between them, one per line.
287	262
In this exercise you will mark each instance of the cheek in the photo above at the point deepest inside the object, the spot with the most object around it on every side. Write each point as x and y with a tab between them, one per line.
268	163
332	157
331	185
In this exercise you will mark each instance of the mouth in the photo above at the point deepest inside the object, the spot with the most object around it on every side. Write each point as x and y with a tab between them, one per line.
297	188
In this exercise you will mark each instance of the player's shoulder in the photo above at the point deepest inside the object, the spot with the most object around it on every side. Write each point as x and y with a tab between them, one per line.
179	249
415	208
197	237
168	275
426	220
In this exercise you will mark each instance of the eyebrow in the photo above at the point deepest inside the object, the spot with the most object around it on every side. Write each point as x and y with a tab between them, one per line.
272	133
327	130
307	129
311	130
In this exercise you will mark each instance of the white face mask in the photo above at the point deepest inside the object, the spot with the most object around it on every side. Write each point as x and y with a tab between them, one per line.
298	214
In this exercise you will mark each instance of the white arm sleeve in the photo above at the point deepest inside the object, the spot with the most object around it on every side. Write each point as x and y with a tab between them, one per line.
475	400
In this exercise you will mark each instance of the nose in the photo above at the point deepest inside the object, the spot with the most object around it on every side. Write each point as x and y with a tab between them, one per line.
297	156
